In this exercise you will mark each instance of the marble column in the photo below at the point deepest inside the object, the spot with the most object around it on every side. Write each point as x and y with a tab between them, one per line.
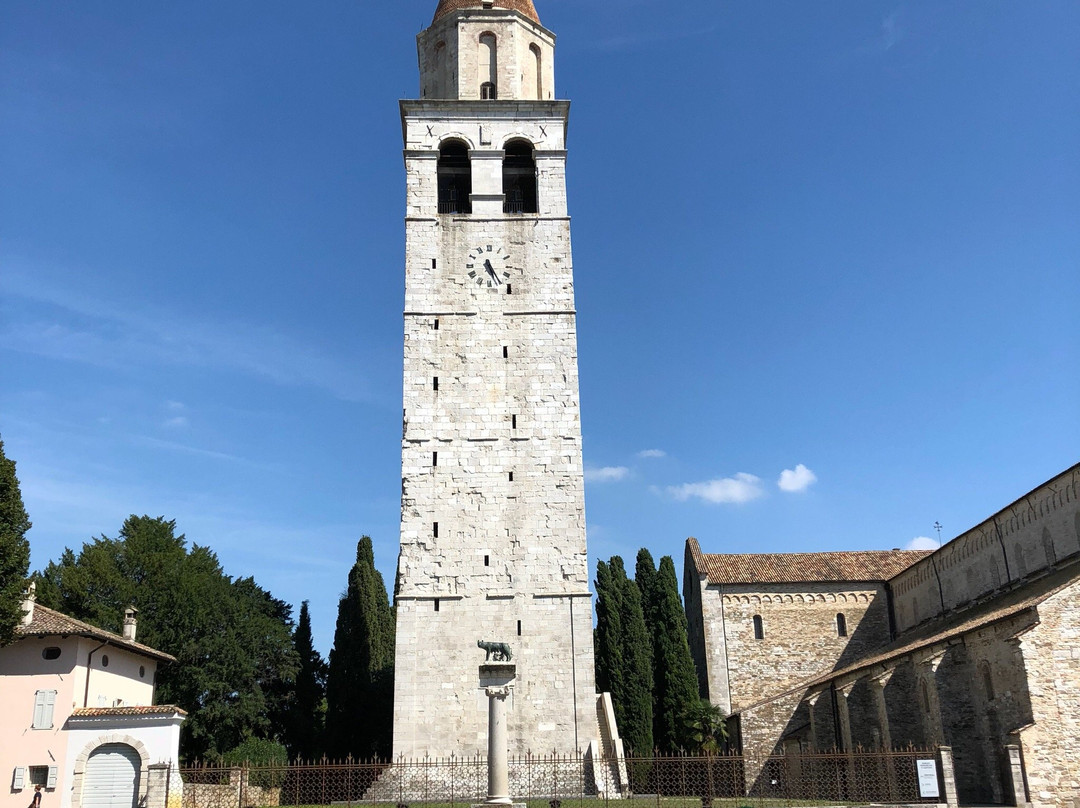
498	770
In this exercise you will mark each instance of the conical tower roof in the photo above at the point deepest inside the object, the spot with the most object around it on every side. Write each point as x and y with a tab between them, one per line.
526	7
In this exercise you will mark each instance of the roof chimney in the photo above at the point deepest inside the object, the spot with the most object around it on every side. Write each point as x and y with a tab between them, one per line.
131	623
29	598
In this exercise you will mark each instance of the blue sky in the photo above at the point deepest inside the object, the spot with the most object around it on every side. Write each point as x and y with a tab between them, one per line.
841	236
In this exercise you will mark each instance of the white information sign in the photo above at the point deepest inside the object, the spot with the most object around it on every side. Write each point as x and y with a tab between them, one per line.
928	785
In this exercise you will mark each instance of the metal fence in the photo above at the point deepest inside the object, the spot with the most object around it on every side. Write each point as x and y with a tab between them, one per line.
572	781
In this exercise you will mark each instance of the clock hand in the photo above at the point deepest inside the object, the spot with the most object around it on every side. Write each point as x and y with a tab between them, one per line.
491	270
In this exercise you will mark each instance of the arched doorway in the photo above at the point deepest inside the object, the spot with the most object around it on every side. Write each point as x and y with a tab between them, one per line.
112	777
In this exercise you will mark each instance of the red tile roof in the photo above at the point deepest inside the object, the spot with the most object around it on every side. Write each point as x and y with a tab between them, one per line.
51	623
526	7
123	712
779	568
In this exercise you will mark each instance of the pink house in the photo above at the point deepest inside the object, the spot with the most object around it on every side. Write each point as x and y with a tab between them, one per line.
77	717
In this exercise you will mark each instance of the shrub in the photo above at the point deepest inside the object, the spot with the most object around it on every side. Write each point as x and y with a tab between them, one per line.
268	760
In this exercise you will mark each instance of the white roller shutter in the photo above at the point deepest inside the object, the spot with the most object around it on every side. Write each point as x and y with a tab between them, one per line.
111	779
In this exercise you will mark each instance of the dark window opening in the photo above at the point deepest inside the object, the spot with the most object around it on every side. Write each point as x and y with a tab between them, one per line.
435	383
488	91
142	671
487	561
513	422
519	628
435	529
434	263
51	653
511	476
436	326
841	626
519	178
455	178
759	627
506	352
509	289
434	458
105	660
39	776
436	604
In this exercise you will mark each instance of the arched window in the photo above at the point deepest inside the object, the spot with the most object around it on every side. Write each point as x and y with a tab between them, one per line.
1021	564
488	66
1048	546
519	178
924	696
995	575
538	63
987	680
841	626
455	178
759	627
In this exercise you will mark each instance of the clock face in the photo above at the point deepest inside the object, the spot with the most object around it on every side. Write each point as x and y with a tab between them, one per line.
488	266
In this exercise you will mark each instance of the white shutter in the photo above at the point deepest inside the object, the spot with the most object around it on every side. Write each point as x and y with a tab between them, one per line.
50	703
19	778
39	710
51	783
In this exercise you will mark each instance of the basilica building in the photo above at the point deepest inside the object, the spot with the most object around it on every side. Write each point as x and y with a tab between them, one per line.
975	647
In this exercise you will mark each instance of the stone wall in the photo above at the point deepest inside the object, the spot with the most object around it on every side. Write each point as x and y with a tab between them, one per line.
800	632
1036	532
1051	745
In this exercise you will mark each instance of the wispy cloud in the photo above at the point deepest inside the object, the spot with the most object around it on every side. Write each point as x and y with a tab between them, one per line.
796	480
636	39
608	474
922	543
67	325
735	490
179	422
651	453
889	35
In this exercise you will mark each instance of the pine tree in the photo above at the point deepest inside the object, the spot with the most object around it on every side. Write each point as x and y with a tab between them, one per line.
673	668
14	549
360	683
307	711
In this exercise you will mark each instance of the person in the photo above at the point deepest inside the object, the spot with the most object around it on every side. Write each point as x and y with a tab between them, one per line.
36	802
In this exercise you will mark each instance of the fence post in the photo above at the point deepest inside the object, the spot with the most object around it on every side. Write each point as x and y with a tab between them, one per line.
948	776
1016	775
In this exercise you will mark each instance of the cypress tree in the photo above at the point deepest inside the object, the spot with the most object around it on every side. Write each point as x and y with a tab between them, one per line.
673	668
307	712
608	634
360	682
634	694
14	549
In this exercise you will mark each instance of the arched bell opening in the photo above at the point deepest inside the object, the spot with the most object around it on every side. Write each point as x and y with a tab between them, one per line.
455	177
519	178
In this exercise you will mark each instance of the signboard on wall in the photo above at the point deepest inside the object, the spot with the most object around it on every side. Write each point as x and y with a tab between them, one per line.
928	783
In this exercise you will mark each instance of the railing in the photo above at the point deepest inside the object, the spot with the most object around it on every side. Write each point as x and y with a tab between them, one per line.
568	781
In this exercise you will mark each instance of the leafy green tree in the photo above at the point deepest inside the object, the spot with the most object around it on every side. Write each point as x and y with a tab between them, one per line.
624	654
269	758
307	711
233	640
674	675
360	683
14	549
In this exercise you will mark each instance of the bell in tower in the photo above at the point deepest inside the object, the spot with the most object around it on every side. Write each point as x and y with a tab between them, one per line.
487	50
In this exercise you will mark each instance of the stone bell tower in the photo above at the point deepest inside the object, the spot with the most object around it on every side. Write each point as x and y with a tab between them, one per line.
492	507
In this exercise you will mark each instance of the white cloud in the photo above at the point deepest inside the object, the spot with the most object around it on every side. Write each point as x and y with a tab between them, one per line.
652	453
608	474
795	480
741	488
179	422
175	406
922	543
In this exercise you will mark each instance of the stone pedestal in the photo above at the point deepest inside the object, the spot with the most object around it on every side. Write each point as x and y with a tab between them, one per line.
497	682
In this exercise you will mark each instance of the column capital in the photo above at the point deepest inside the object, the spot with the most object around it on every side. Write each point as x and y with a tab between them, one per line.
931	659
882	679
499	693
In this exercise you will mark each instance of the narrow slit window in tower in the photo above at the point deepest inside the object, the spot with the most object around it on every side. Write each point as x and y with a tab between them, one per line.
519	628
538	61
506	352
434	263
511	476
455	177
509	289
488	66
435	383
434	459
487	561
519	178
436	324
436	604
513	422
759	627
841	626
435	530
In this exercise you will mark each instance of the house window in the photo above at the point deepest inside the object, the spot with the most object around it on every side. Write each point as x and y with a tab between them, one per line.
142	671
50	654
841	626
759	627
487	91
39	775
44	702
104	660
488	65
